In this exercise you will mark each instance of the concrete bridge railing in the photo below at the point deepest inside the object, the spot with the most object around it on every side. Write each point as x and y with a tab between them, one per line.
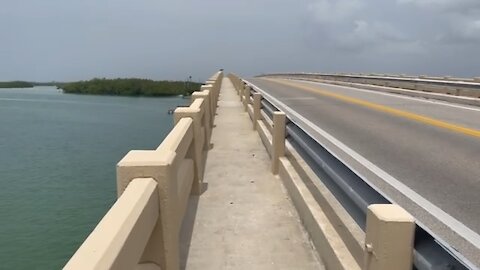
141	230
385	241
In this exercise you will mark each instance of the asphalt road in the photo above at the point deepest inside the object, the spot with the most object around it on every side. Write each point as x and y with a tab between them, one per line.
431	147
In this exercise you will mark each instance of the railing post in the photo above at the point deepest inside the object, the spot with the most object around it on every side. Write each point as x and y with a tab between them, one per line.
241	91
216	90
211	97
389	238
246	97
236	83
217	93
240	85
163	246
257	99
210	117
214	95
278	140
198	144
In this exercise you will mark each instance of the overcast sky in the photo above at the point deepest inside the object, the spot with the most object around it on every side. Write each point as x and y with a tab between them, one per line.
68	40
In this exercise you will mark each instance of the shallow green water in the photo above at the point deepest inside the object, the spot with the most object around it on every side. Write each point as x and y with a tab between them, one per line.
57	166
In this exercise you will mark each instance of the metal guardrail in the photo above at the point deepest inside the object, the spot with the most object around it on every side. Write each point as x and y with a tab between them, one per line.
268	108
447	81
430	252
447	85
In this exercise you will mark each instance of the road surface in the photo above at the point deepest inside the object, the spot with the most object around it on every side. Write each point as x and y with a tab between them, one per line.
432	147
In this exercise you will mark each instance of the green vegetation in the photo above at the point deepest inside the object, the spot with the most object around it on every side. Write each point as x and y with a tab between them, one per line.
130	87
16	84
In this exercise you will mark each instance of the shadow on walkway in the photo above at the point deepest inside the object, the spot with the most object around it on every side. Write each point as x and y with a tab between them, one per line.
187	227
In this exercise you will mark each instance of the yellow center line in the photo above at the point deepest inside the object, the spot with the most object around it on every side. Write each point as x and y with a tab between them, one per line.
408	115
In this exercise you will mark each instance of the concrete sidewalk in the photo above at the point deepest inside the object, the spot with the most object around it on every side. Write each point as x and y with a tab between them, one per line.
244	219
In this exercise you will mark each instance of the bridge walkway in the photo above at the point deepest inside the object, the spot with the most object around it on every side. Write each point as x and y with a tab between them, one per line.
244	219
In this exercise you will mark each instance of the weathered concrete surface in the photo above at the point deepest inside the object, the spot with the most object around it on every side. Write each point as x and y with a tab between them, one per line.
244	219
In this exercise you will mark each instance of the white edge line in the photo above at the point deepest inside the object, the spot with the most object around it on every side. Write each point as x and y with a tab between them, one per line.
457	226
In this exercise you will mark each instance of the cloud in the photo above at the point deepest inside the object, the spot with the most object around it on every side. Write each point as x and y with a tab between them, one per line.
328	11
461	31
380	37
169	39
345	26
457	20
461	6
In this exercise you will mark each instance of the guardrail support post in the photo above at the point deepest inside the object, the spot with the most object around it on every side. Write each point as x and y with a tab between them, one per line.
246	97
257	99
389	238
278	139
241	90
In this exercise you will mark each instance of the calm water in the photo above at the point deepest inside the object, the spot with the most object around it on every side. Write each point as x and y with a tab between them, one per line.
57	166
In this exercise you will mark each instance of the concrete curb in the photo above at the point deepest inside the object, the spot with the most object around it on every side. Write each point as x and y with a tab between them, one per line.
344	224
325	238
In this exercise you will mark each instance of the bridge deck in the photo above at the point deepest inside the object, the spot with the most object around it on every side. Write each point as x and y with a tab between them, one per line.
244	219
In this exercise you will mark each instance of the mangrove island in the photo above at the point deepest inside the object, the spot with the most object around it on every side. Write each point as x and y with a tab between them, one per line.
130	87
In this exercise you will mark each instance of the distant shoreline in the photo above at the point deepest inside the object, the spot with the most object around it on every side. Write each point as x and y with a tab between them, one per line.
116	87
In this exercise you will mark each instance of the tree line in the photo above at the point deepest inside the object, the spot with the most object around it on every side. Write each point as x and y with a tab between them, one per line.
16	84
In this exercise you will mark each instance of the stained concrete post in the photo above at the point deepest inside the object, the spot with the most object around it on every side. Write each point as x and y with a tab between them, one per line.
278	139
246	97
198	143
163	246
257	99
242	90
389	238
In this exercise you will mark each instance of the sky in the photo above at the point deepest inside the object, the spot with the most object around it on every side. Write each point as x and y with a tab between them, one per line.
66	40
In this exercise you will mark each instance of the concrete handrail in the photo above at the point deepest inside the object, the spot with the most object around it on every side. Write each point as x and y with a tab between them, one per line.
142	228
236	81
216	82
172	166
199	113
443	85
119	239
